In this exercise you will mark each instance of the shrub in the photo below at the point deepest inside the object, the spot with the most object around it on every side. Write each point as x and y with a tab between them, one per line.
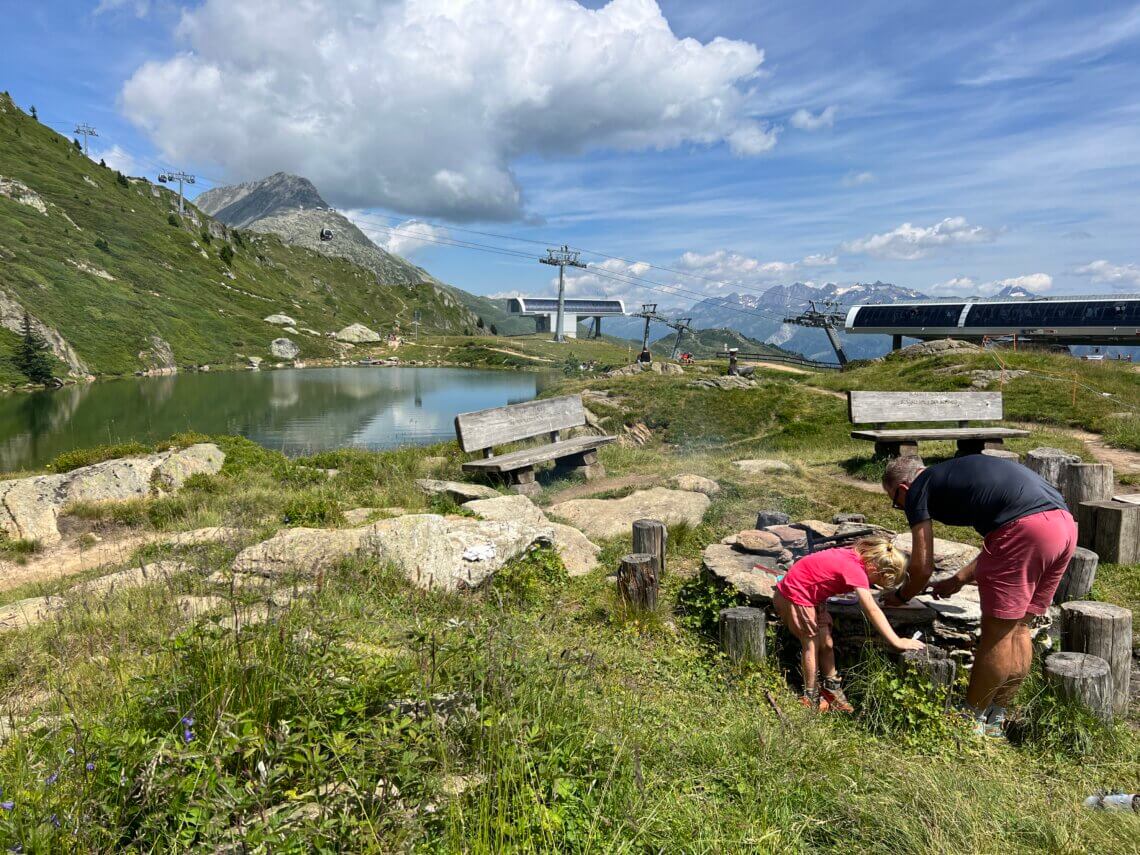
226	254
699	602
70	460
206	237
530	579
121	179
101	244
32	357
172	218
312	510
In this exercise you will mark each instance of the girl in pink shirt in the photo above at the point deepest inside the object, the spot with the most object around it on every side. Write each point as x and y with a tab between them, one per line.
801	598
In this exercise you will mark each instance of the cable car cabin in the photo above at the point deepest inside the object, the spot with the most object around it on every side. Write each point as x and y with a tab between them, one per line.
326	234
1061	320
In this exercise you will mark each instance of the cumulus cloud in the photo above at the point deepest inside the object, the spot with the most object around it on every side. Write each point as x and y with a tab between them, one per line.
1036	283
116	158
909	242
965	286
806	121
1120	276
404	239
819	260
858	179
422	106
957	286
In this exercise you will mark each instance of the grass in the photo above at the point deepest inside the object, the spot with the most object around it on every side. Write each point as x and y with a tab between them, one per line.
535	715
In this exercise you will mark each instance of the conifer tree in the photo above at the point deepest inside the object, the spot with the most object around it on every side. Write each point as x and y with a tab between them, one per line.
31	358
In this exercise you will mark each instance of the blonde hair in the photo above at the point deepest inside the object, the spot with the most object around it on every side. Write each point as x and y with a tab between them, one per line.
881	557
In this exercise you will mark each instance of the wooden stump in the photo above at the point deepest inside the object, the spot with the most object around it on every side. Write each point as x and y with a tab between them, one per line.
1111	530
742	634
1086	482
1078	578
767	518
1049	463
1003	453
1082	677
1105	631
649	536
931	663
637	581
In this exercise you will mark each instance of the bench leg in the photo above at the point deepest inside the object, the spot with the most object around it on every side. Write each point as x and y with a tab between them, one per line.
522	481
976	446
896	449
585	464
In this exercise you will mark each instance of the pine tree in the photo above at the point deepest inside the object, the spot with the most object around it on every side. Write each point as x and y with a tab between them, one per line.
35	115
31	358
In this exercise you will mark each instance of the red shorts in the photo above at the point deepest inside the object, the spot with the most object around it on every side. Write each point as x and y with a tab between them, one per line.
1022	563
804	622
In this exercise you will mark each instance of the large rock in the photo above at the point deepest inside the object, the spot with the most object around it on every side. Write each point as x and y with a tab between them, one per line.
283	348
459	491
949	556
579	554
508	509
306	549
134	577
696	484
759	542
762	467
614	517
739	571
281	321
30	507
24	613
358	334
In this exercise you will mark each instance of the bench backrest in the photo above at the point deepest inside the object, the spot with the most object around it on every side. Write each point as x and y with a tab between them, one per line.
501	425
884	407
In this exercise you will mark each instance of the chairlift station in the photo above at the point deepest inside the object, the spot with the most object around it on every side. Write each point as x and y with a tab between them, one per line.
545	312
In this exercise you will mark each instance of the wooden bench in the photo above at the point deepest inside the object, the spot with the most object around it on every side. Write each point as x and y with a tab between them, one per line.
882	408
485	429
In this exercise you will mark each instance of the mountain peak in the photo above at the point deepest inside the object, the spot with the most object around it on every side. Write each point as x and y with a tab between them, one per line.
241	205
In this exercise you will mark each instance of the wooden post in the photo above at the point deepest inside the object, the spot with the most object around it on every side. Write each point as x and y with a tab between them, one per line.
1086	482
932	664
637	581
1082	677
742	635
1078	578
1105	631
1111	530
732	363
1049	463
650	536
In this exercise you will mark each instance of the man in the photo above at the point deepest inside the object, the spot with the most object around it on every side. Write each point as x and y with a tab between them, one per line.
1029	538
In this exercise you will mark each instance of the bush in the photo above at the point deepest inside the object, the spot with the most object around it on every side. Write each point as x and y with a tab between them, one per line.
530	579
226	254
172	218
206	238
70	460
699	602
101	244
312	511
121	179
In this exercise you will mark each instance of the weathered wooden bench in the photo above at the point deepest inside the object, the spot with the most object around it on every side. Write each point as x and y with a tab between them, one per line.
882	408
485	429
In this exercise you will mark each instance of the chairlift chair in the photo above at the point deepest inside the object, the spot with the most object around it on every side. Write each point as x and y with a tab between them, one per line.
326	234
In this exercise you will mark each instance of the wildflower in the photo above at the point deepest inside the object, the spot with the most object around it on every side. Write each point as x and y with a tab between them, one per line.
187	736
52	778
188	721
90	767
54	820
7	805
70	752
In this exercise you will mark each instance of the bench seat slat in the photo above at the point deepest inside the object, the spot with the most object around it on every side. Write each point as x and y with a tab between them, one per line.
504	425
938	433
885	407
539	454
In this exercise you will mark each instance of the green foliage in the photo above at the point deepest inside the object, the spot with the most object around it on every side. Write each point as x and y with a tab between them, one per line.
121	179
699	604
206	237
102	245
17	550
70	460
32	356
226	254
172	219
312	510
534	577
1059	726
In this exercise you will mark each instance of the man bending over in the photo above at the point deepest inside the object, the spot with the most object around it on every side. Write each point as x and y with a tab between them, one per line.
1029	539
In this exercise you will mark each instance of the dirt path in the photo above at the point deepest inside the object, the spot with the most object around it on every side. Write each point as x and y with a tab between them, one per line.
520	355
777	366
1124	462
602	485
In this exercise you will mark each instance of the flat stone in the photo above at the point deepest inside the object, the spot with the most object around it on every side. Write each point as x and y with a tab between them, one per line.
210	534
307	549
948	554
820	528
839	519
24	613
965	607
613	517
696	484
766	519
762	466
759	542
359	516
738	571
793	538
134	577
850	619
514	508
459	491
1002	452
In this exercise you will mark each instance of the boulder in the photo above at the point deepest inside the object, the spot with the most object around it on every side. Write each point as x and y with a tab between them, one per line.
759	542
459	491
738	571
204	458
307	549
29	508
283	348
134	577
357	334
579	554
760	467
948	555
254	363
210	534
696	484
963	608
614	517
281	321
359	516
508	509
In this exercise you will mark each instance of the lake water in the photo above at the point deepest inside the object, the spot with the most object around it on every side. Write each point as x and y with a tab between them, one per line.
290	410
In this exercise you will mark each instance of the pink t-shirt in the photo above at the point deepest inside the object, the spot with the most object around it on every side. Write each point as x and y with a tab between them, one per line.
814	578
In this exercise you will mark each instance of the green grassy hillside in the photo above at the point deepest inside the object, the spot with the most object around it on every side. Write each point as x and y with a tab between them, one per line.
100	259
708	343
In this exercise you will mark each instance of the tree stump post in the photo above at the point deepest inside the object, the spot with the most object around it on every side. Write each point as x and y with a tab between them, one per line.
1078	578
1049	463
637	581
1086	482
650	536
932	664
1082	677
742	634
1111	529
1104	631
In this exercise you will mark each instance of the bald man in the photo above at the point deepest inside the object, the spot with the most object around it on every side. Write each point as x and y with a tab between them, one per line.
1029	537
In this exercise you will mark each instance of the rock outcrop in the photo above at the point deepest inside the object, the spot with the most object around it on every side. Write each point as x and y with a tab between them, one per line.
284	348
613	517
459	491
280	320
696	484
579	554
358	334
30	507
760	467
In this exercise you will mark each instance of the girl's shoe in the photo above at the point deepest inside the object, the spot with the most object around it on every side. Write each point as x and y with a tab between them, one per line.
831	694
820	706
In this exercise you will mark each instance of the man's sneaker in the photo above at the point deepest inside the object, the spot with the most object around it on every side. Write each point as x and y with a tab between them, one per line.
831	694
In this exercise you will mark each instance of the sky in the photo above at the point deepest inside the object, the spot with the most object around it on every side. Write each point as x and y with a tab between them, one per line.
953	148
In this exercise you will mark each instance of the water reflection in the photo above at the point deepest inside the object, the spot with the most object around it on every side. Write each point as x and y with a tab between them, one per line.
294	411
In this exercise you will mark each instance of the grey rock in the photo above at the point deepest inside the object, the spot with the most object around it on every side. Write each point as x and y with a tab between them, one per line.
948	554
508	509
284	348
281	320
696	484
613	517
762	466
358	334
459	491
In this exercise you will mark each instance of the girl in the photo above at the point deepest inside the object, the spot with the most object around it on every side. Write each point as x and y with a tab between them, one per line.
801	598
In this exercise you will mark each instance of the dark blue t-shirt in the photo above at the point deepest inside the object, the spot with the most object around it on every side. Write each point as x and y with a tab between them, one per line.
979	491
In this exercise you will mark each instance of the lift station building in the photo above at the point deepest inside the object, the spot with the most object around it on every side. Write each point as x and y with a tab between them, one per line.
545	312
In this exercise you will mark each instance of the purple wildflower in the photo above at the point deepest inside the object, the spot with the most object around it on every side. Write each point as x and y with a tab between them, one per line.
187	721
7	805
54	820
52	778
90	767
187	736
70	752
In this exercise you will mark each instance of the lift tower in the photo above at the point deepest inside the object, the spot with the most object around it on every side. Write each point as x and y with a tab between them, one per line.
561	258
829	319
649	313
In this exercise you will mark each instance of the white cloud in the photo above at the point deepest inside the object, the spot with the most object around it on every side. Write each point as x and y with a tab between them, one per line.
965	286
819	260
806	121
422	106
116	158
909	242
1037	283
957	286
858	179
1119	276
404	239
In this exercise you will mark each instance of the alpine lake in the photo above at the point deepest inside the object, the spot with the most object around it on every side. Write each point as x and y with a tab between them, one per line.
295	411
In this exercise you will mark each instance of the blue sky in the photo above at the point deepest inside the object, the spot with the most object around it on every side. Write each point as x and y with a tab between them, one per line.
951	148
